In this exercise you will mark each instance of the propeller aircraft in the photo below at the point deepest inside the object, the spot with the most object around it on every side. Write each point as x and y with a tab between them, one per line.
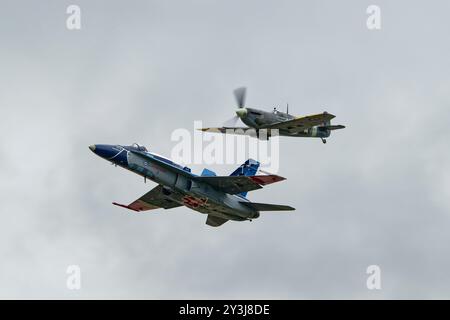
313	126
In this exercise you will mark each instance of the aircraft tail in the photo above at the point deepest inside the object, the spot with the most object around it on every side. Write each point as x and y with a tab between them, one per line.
267	206
328	126
332	127
248	168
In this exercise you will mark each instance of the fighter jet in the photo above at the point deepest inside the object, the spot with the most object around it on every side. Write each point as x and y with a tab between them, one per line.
261	123
222	198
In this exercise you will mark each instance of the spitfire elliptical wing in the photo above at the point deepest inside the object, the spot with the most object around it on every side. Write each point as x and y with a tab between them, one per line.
231	130
302	123
238	184
251	132
154	199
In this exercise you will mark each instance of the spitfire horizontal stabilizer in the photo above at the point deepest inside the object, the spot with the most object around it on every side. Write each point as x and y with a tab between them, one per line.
239	184
267	206
332	127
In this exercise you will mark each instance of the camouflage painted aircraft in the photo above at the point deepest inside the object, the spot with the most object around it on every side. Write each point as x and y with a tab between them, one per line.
222	198
315	126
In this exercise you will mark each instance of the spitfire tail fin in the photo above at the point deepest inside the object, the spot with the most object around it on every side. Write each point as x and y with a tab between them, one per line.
248	168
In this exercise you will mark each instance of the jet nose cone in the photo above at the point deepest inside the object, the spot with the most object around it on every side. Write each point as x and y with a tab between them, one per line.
241	112
105	151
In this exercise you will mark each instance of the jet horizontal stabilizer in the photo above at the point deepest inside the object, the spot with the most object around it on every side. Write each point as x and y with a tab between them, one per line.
267	206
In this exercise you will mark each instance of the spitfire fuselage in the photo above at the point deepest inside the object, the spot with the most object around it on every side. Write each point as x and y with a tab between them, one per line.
259	119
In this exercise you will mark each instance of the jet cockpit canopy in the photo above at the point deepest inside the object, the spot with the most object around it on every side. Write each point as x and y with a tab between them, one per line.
138	147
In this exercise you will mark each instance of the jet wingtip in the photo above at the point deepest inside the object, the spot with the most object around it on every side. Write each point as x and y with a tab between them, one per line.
124	206
266	179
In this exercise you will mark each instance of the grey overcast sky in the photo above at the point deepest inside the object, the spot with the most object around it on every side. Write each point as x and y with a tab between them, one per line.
377	193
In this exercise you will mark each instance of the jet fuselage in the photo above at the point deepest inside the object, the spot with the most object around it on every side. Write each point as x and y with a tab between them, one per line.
179	184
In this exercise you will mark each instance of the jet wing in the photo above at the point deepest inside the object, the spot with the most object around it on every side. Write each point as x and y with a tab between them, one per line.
215	221
238	184
302	123
154	199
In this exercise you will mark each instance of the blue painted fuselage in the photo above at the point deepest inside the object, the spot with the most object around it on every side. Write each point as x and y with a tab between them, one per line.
179	183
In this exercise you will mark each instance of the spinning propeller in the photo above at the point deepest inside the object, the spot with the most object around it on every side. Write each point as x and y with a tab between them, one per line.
239	94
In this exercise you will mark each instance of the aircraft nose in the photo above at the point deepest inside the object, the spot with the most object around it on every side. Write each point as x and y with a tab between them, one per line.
103	150
241	112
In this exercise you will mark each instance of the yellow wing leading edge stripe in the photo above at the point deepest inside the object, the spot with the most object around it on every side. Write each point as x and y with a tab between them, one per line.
302	123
